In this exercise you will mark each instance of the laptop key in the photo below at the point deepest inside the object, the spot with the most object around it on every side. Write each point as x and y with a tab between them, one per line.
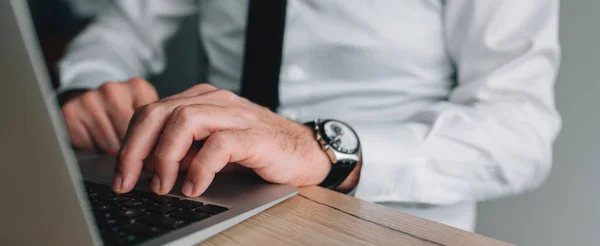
161	209
163	221
164	199
190	215
108	199
134	204
116	214
130	213
211	209
100	215
111	222
113	198
101	207
187	204
143	229
136	194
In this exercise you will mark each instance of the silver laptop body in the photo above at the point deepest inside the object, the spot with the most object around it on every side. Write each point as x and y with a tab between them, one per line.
42	197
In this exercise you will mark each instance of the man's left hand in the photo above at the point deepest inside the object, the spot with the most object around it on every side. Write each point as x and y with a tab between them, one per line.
235	131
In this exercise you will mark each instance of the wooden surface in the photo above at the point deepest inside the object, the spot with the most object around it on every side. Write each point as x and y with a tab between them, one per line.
318	216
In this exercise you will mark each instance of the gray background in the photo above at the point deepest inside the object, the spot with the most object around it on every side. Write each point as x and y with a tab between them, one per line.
566	209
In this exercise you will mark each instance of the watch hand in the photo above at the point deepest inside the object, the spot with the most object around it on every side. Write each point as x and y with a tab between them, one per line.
336	138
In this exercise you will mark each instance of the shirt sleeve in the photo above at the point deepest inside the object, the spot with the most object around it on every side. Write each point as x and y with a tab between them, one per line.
493	136
126	40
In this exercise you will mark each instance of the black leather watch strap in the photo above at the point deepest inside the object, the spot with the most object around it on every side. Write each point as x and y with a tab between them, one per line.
339	170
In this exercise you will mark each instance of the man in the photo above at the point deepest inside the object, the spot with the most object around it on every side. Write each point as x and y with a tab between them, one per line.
452	100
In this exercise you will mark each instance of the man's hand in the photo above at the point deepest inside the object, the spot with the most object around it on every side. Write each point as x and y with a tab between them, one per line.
235	131
99	118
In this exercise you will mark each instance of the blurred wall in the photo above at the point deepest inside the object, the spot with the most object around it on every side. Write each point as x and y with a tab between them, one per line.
565	210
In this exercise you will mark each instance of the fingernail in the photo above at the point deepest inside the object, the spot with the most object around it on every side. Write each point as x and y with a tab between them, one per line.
117	182
156	184
188	188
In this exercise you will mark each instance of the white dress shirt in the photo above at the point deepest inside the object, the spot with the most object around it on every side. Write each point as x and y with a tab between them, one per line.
453	100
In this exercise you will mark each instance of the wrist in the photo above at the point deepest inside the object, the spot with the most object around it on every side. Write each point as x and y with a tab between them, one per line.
318	165
338	150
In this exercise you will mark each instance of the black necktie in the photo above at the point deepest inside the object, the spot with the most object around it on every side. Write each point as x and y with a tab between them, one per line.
262	59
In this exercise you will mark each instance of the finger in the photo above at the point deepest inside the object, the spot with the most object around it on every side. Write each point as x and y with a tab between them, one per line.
143	92
193	151
220	149
142	134
80	138
98	124
186	125
118	100
120	119
141	137
185	162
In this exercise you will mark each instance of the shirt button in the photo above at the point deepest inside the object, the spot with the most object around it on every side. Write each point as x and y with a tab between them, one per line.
295	73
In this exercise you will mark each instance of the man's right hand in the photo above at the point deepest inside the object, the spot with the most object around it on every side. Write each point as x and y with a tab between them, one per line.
97	120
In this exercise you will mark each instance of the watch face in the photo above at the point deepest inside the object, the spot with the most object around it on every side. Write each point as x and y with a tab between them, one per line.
340	137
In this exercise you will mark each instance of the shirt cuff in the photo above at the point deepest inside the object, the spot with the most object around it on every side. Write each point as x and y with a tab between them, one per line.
392	165
85	81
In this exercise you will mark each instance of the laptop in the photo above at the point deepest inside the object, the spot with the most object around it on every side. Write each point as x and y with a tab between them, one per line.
53	196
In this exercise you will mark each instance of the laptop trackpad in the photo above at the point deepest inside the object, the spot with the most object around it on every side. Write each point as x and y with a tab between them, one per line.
100	169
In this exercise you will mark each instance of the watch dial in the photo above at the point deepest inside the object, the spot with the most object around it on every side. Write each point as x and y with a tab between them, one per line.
341	137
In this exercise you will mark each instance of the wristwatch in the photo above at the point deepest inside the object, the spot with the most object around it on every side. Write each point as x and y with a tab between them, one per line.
342	146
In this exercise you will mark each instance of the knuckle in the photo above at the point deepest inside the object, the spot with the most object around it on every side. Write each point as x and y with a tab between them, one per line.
202	88
186	113
109	88
217	141
69	111
225	94
111	92
150	111
183	115
205	87
138	82
89	98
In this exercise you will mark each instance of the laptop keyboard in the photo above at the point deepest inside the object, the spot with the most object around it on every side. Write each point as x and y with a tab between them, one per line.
137	216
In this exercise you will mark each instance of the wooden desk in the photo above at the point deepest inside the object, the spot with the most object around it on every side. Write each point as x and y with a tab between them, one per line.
318	216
